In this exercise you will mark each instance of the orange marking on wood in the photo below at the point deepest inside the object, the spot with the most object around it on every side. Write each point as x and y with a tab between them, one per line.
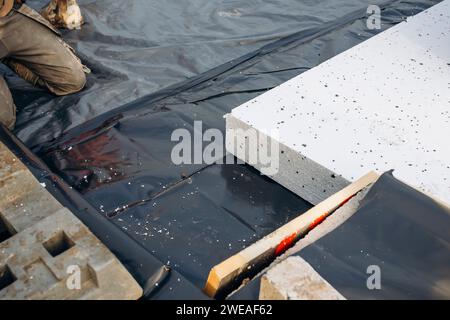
345	201
320	219
317	221
288	241
285	244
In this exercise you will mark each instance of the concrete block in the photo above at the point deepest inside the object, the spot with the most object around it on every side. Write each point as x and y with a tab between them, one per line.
21	215
295	279
381	105
45	251
9	163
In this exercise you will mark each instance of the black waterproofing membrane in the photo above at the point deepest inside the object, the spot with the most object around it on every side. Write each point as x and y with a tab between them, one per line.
158	66
397	229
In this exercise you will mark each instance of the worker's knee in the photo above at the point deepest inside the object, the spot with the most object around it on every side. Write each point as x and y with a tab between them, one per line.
72	83
78	80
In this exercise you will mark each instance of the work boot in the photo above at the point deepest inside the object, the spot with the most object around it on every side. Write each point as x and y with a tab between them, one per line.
63	14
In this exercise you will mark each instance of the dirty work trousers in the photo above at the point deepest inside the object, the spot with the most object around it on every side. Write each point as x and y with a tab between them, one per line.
33	49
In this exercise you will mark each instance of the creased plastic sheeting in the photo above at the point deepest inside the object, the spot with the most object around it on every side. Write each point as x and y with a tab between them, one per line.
397	229
115	149
138	47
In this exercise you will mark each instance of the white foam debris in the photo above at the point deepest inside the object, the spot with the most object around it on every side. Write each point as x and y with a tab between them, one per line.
381	105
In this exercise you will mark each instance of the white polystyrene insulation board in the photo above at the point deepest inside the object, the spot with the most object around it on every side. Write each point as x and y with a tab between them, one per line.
381	105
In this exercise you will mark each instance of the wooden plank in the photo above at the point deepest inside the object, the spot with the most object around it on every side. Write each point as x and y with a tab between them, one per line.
225	274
